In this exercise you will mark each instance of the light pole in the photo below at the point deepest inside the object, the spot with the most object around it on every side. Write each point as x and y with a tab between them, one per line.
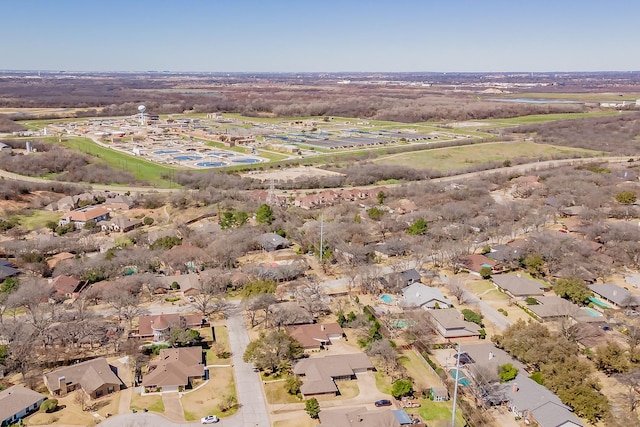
455	390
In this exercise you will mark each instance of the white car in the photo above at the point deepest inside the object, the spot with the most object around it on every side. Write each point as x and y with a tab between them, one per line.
210	419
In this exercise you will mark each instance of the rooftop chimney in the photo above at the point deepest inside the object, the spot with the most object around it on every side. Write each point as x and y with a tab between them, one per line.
515	388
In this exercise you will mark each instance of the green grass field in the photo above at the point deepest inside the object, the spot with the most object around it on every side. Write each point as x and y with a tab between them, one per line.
586	97
544	118
141	169
437	413
36	219
460	158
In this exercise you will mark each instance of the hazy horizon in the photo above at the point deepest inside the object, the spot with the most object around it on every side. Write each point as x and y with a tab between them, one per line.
286	36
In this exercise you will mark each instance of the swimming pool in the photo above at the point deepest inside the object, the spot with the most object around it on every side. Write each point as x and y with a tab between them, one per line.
401	323
599	303
462	378
592	312
386	298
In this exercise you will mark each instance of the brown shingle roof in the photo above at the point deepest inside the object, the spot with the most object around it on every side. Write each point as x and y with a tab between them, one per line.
146	324
320	372
174	367
311	336
91	375
88	215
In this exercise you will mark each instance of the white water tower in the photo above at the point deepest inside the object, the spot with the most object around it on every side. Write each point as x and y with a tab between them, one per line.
142	109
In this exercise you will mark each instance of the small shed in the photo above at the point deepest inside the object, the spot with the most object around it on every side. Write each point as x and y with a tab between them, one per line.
440	394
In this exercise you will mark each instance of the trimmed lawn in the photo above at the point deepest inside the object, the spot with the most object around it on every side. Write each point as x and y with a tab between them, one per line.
152	402
222	338
382	382
34	220
461	158
276	393
479	286
301	421
542	118
72	414
141	169
437	413
422	374
206	400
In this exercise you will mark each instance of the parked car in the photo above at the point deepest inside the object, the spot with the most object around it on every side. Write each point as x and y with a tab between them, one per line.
383	402
209	419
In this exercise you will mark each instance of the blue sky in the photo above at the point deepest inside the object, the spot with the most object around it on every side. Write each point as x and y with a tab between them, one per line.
328	35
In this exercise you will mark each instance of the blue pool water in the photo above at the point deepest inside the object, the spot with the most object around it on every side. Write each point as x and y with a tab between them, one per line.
210	164
599	303
591	312
386	298
187	158
247	160
462	378
160	152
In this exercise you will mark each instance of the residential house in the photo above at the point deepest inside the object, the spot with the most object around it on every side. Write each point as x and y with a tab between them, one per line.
67	286
119	202
427	297
96	377
361	416
16	402
316	335
185	257
81	216
485	357
618	296
518	286
159	326
120	224
320	374
553	308
402	279
272	241
189	284
450	323
7	270
175	368
535	403
504	253
385	251
476	262
58	258
289	313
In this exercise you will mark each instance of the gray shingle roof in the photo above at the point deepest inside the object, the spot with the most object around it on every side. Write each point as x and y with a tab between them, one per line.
419	295
518	285
616	294
17	398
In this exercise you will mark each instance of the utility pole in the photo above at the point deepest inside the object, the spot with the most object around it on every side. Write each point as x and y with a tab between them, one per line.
455	390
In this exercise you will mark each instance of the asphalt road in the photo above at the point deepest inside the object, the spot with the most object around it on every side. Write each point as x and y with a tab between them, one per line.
489	313
253	407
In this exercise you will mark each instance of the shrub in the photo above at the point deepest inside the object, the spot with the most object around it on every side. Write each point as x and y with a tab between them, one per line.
49	405
312	407
401	388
